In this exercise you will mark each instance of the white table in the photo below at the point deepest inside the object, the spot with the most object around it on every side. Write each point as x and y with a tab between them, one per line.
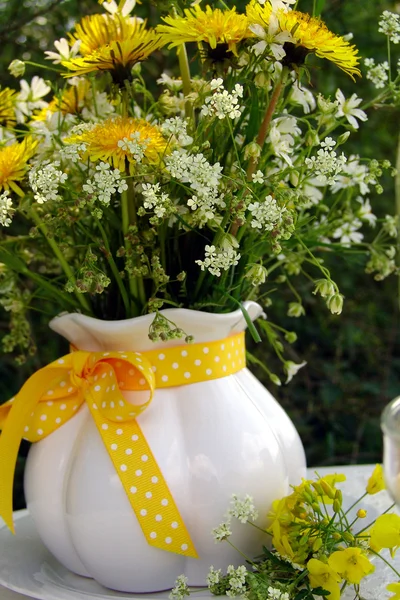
357	476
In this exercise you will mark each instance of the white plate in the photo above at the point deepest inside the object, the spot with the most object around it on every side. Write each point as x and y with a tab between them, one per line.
27	567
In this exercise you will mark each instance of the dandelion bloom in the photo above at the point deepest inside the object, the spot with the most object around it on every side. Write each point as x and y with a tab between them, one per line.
351	564
7	102
14	164
220	30
111	43
310	34
375	482
322	575
69	102
122	142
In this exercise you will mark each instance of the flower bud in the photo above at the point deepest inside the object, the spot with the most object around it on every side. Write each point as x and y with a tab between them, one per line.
328	489
290	337
317	544
361	513
311	138
343	138
336	506
257	274
252	150
335	303
275	379
295	309
17	68
324	287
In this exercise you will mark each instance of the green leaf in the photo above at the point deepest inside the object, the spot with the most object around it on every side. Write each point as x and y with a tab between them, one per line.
319	7
319	591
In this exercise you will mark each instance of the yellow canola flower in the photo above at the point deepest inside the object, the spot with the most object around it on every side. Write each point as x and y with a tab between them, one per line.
8	99
322	575
385	532
376	482
310	35
210	26
109	141
14	163
394	587
351	564
111	43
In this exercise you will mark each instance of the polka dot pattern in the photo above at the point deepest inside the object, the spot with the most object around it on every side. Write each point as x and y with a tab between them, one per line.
55	394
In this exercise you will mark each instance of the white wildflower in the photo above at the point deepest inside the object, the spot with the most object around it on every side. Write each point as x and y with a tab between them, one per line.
282	136
155	200
213	577
105	183
348	233
325	105
389	24
65	51
223	104
30	97
169	82
6	209
237	580
291	369
328	143
335	303
177	127
390	225
98	107
267	214
349	108
258	177
272	38
303	96
180	590
364	212
45	180
134	145
326	165
124	8
243	510
223	531
277	594
353	174
378	74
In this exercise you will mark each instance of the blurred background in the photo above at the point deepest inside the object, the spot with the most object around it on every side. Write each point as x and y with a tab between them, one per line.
353	360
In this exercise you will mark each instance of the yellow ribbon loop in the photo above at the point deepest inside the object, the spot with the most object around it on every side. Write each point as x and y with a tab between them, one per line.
54	394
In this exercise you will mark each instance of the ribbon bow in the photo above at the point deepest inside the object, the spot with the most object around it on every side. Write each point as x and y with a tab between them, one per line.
52	395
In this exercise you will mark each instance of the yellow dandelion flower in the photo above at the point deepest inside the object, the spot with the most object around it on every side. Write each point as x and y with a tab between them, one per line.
310	35
14	164
221	31
351	564
111	43
7	102
112	141
69	102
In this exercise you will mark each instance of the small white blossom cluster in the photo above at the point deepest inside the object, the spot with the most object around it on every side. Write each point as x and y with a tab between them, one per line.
389	24
177	127
135	145
105	183
213	577
267	214
180	590
327	165
277	594
218	259
243	510
6	209
223	104
353	173
203	179
237	581
348	233
154	200
45	180
378	74
222	532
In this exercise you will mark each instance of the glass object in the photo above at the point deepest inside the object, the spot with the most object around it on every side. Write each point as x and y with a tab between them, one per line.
390	424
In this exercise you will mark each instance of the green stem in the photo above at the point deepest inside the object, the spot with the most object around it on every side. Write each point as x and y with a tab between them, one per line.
356	502
65	266
114	269
385	561
186	81
128	215
397	200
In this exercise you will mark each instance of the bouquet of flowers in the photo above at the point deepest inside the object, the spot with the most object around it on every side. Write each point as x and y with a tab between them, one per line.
319	547
126	188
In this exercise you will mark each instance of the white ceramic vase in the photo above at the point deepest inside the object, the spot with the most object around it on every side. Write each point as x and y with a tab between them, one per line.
210	440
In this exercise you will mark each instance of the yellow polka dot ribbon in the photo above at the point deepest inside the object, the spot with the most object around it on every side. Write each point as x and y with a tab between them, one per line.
52	395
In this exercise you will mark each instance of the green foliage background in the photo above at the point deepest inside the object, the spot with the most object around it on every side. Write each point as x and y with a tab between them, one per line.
353	360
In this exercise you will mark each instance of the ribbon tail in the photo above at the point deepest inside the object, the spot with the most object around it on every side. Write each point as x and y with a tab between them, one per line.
12	434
